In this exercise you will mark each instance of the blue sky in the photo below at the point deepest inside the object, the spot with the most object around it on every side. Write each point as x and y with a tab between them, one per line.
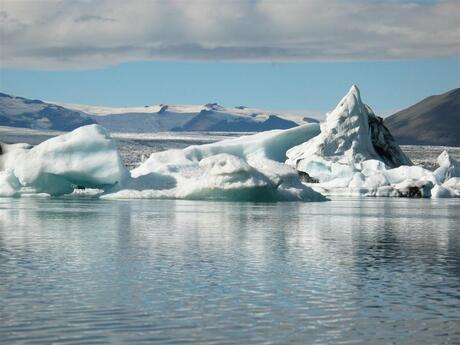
296	55
316	87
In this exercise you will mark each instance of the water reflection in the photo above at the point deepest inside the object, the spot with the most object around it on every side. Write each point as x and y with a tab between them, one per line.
159	271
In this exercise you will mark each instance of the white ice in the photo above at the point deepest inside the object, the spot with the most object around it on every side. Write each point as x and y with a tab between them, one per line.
352	153
355	154
245	168
86	157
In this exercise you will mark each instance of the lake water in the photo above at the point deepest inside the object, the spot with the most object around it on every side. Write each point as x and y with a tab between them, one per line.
349	271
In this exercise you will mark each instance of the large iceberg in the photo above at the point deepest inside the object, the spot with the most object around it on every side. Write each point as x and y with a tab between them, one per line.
355	154
245	168
351	134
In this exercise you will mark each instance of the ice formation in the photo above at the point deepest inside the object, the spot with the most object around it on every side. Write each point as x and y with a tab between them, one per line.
350	135
85	157
245	168
355	154
351	153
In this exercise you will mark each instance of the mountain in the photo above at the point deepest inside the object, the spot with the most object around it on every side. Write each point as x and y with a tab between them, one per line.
210	117
27	113
36	114
433	121
219	119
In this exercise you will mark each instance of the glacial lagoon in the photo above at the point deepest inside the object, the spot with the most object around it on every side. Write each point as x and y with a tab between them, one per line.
352	270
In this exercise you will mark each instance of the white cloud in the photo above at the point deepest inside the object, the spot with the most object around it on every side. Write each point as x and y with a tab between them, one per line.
73	34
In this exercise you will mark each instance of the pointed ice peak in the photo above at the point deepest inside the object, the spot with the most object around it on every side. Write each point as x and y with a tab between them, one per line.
448	167
444	158
353	96
350	103
351	134
354	91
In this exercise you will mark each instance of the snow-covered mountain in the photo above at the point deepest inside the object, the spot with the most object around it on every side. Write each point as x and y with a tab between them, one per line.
27	113
22	112
208	117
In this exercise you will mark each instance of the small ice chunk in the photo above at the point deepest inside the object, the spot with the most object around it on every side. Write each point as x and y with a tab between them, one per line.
448	167
441	191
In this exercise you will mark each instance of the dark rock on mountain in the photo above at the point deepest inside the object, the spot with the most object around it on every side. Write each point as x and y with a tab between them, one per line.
310	120
27	113
210	120
163	108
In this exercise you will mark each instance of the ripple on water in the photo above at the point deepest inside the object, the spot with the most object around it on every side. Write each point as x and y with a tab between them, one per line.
367	271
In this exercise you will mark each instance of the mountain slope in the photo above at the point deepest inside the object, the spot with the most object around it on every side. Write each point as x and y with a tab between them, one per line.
26	113
433	121
36	114
208	118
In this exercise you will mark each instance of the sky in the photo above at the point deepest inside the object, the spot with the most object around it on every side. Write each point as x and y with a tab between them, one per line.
282	55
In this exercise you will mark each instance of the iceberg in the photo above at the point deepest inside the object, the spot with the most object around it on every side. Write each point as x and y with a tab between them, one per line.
352	153
249	168
448	168
245	168
448	174
84	158
351	134
356	155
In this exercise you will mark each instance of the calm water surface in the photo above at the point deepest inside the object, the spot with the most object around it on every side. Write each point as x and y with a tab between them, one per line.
349	271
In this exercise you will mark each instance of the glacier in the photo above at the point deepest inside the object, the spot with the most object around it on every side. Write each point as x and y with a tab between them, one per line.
351	153
170	117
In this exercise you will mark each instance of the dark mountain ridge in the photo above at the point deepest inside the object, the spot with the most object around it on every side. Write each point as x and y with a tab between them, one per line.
27	113
433	121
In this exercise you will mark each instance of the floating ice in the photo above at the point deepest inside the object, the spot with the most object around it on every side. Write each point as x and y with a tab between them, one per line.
350	135
448	174
355	154
448	168
86	157
352	153
245	168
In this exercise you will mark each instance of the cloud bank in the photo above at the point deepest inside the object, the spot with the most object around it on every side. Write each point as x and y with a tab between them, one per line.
96	33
